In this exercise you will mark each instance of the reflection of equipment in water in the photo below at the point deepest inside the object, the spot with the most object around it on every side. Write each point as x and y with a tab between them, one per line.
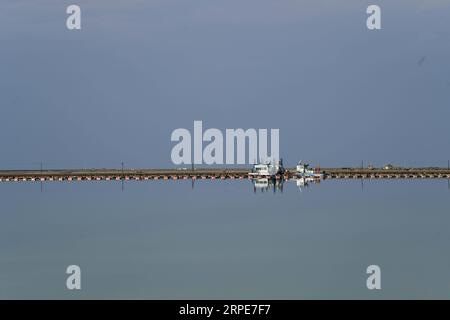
265	184
303	182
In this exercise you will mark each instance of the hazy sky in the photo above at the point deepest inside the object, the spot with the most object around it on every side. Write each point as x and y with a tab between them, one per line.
137	70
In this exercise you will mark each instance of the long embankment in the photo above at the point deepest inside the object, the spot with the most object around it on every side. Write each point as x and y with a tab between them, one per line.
380	173
212	173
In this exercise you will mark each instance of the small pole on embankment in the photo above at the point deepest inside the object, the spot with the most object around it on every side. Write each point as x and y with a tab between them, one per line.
192	180
42	187
362	178
123	177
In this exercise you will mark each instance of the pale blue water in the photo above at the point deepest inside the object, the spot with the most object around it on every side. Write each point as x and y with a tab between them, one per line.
221	240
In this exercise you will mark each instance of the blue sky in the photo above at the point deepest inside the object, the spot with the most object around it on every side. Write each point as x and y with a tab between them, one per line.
115	90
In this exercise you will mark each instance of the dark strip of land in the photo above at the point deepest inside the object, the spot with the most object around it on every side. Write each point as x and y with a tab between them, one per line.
425	172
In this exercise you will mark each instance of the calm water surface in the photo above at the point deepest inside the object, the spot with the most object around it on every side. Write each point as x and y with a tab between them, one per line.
221	239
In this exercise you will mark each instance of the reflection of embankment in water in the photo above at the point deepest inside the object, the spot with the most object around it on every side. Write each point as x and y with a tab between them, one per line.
274	184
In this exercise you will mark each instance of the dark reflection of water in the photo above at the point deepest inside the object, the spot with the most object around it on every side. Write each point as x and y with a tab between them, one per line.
163	239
